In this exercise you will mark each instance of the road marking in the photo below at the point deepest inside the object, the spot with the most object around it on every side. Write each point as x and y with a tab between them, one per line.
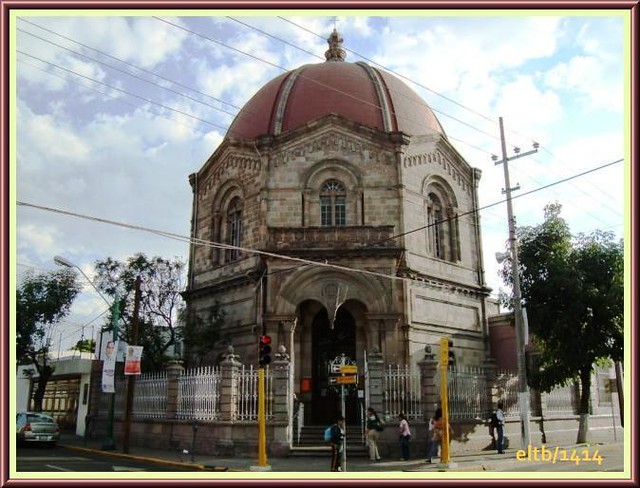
57	467
127	468
48	458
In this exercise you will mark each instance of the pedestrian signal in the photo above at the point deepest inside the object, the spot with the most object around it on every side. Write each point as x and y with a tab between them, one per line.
265	351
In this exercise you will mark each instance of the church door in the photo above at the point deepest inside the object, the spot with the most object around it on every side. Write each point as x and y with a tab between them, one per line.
328	343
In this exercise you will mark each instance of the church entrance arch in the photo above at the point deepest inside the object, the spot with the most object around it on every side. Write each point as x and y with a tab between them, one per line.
328	341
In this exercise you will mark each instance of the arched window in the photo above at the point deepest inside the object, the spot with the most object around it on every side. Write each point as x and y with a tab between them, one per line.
436	228
442	232
333	204
234	228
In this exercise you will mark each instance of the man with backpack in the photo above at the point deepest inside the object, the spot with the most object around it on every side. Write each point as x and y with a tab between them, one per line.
336	437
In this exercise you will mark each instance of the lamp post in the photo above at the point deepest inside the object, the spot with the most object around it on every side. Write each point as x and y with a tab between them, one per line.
523	389
108	444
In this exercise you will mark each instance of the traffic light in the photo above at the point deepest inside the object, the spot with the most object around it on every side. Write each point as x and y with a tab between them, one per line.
452	356
447	356
265	351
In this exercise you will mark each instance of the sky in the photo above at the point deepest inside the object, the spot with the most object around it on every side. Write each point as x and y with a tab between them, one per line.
112	113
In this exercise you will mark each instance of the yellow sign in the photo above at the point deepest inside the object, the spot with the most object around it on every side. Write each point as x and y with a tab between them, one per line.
349	369
346	380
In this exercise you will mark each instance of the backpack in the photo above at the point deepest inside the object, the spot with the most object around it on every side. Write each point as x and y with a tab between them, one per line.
494	420
327	434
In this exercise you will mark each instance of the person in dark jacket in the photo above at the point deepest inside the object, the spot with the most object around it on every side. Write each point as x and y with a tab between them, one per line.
337	444
374	427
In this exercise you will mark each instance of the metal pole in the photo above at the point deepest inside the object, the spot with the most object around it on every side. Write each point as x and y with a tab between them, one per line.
344	442
131	379
523	391
109	443
444	400
262	429
619	391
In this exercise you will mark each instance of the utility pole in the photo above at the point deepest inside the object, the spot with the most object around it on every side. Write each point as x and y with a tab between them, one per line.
523	389
131	379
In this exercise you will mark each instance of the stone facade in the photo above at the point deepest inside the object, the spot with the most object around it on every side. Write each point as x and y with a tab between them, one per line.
349	195
409	296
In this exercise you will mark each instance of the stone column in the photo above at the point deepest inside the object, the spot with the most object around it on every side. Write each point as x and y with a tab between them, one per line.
174	370
375	366
229	386
282	403
429	387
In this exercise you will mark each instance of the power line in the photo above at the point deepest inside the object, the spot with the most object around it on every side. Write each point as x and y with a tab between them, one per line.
113	97
214	244
243	113
302	76
397	74
22	19
188	97
123	91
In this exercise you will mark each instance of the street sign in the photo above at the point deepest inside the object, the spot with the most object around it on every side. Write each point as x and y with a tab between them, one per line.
346	380
349	369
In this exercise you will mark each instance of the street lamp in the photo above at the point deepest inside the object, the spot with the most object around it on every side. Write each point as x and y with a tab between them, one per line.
108	444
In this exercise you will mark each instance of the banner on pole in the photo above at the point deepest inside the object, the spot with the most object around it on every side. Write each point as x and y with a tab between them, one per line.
132	362
109	367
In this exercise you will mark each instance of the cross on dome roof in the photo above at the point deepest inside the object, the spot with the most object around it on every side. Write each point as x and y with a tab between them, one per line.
335	51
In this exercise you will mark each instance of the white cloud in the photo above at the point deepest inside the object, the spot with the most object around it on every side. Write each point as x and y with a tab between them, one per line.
83	152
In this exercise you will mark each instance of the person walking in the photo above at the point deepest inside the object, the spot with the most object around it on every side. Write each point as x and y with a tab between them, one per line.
405	437
430	431
500	428
374	427
436	435
337	444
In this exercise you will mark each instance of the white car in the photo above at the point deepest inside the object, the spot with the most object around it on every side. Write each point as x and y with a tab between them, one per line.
36	427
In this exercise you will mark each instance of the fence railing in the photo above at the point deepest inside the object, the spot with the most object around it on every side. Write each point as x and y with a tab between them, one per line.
199	394
562	401
401	392
247	399
150	400
467	388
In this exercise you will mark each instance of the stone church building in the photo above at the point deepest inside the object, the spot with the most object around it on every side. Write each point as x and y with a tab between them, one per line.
343	165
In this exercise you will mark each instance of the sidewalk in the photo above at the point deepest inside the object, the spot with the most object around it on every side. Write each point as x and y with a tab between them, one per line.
480	461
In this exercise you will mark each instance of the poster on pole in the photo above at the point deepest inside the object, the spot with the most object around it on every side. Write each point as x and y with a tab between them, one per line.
109	367
132	361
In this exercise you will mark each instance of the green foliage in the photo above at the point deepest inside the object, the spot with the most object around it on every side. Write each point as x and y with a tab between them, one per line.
42	300
85	345
201	335
162	283
573	291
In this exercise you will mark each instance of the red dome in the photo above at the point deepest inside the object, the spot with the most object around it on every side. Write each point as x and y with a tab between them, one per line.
356	91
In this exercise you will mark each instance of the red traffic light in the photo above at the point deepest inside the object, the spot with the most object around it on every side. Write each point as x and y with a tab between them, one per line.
265	349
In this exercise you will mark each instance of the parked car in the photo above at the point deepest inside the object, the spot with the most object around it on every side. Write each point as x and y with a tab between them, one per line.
36	427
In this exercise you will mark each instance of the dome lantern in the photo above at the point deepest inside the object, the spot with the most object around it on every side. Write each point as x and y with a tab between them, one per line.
335	51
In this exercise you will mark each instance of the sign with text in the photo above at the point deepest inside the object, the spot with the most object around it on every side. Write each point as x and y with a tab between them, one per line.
345	380
349	369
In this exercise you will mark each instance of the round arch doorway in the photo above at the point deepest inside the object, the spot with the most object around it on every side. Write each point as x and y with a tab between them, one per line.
329	342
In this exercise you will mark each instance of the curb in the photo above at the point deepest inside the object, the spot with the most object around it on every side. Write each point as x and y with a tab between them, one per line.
201	467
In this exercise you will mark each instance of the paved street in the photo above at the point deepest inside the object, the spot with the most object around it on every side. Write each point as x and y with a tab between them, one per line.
60	459
73	455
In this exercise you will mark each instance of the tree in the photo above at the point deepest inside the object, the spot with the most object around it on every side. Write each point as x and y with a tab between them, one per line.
573	291
85	345
162	282
42	300
201	335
